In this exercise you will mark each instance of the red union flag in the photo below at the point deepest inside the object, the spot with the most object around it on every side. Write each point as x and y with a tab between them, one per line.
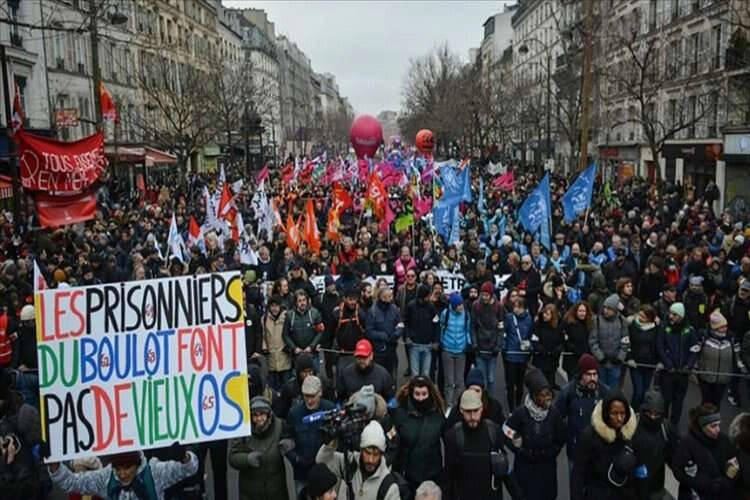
60	167
56	211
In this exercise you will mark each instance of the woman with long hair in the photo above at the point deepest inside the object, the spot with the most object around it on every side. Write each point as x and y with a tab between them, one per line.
576	328
547	342
419	420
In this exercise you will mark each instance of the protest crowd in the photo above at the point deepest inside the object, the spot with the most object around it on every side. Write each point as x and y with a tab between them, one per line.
382	297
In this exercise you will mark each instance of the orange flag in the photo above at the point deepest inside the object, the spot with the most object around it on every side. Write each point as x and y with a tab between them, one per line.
377	195
292	232
312	235
332	228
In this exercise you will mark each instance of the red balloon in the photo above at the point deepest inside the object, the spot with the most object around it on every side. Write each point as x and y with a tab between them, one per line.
425	141
366	135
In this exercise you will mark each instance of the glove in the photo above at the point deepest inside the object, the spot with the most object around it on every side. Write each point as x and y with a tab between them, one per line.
691	469
285	446
254	459
659	366
741	366
631	363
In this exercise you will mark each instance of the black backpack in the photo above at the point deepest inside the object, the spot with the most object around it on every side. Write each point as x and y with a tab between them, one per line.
404	489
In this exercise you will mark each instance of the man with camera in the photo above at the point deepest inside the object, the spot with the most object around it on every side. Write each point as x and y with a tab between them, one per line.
304	432
365	470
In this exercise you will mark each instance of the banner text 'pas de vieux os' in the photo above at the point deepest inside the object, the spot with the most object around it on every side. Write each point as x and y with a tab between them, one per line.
140	365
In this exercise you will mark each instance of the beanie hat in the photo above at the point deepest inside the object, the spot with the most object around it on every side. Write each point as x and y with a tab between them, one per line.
372	436
320	480
487	287
456	300
612	302
366	398
125	459
304	362
506	239
586	363
328	280
717	320
696	280
677	309
259	403
653	401
250	277
27	313
311	386
535	381
475	377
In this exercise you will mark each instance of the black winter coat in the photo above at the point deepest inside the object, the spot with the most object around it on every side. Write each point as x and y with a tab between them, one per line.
656	443
547	347
643	343
577	341
710	457
596	452
419	455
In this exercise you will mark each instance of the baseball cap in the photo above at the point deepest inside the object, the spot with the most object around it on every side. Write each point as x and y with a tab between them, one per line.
470	400
363	348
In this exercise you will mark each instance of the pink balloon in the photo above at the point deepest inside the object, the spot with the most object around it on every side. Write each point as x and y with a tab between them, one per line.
366	135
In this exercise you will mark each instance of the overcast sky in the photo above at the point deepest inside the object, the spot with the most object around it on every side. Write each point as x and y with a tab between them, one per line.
368	44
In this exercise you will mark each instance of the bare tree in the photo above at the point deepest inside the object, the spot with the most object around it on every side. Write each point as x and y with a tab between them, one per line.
178	112
637	83
430	98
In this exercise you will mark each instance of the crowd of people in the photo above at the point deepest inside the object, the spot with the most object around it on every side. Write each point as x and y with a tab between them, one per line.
599	337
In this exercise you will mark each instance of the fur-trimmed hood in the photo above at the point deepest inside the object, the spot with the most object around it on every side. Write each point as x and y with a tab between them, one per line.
606	432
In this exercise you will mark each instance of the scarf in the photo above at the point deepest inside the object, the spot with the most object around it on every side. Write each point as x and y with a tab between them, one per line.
538	414
142	486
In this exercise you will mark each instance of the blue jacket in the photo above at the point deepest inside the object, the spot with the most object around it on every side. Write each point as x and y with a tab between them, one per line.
307	437
576	404
380	327
455	331
517	328
674	343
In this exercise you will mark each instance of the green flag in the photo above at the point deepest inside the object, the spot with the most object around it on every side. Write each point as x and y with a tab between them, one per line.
404	222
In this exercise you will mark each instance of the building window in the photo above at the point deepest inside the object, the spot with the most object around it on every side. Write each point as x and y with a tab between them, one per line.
692	113
21	82
675	10
716	40
713	114
652	15
693	48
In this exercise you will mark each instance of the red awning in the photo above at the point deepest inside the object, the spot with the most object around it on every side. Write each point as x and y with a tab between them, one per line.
155	157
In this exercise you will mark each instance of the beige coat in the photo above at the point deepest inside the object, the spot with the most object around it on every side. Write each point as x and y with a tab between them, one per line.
367	490
273	342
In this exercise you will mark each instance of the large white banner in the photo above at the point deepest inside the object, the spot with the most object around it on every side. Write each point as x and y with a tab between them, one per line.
138	365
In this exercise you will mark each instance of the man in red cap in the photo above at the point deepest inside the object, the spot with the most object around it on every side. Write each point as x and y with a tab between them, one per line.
364	371
577	399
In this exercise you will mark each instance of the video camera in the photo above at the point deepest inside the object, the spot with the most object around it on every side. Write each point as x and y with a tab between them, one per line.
345	424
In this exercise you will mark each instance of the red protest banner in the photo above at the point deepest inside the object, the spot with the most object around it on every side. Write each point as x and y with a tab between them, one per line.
55	211
60	167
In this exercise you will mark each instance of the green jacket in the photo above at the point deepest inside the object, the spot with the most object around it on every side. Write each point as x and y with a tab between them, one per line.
300	328
269	480
420	456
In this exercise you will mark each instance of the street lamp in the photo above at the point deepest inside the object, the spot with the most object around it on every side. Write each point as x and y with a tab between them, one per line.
523	50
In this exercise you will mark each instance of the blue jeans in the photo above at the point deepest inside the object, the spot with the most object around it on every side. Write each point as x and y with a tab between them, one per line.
610	376
487	365
641	378
420	357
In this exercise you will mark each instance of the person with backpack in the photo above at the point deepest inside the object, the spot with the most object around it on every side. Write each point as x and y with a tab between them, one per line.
519	328
609	341
476	465
277	356
455	339
303	328
383	328
643	356
737	312
366	469
349	327
547	342
486	320
576	330
421	331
